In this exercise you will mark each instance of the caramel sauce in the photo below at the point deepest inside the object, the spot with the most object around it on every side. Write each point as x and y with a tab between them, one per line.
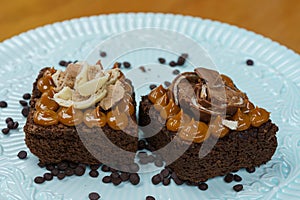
242	119
69	116
259	116
126	107
116	119
156	93
45	117
177	121
94	118
169	110
161	102
249	106
194	131
45	83
217	128
227	81
45	102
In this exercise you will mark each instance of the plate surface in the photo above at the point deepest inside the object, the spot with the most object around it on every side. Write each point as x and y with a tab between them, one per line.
273	83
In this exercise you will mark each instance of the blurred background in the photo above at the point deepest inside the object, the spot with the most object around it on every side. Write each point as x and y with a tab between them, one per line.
276	19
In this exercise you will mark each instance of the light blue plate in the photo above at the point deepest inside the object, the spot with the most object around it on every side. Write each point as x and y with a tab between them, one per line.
273	82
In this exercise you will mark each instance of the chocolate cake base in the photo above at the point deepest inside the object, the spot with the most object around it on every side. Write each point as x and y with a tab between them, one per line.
80	144
243	149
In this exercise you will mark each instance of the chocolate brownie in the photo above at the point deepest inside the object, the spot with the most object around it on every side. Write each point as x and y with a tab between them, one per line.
79	144
240	147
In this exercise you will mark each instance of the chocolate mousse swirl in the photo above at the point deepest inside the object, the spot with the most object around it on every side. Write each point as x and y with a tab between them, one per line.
205	93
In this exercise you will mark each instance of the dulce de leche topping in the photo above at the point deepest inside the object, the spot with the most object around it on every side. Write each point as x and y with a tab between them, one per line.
242	119
116	119
94	118
161	102
194	131
46	101
69	116
177	121
126	107
46	82
249	106
45	117
217	128
169	110
156	93
259	116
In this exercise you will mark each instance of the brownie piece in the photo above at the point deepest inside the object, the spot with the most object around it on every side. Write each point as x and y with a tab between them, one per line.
237	149
79	144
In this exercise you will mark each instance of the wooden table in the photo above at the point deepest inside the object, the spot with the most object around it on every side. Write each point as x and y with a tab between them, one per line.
276	19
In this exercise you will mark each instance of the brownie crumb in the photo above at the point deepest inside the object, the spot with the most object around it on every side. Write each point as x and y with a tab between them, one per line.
22	154
172	63
161	60
3	104
126	65
39	180
103	54
5	131
250	169
26	96
94	196
150	198
203	186
152	86
250	62
238	187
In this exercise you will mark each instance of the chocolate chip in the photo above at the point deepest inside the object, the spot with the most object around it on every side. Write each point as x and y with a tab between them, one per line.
235	171
250	169
22	154
103	54
8	119
156	179
55	172
167	83
172	63
180	61
134	167
61	175
69	172
152	86
150	198
161	60
116	181
26	96
106	179
94	173
48	176
237	178
15	125
105	168
73	165
142	143
134	179
115	175
165	173
142	68
127	65
143	161
176	179
124	176
79	171
63	63
5	131
250	62
150	158
94	196
39	180
228	178
62	166
176	72
113	170
3	104
94	167
158	163
10	125
202	186
238	187
23	103
166	181
25	111
50	167
185	55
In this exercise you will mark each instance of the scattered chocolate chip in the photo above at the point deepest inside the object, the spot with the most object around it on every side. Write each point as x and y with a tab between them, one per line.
158	163
75	61
48	176
69	172
79	171
161	60
8	119
62	166
142	68
94	196
26	96
202	186
134	179
126	65
94	167
55	172
235	171
63	63
3	104
10	125
250	62
152	86
22	154
150	198
180	61
23	103
61	175
166	181
237	178
94	173
15	125
228	178
142	154
116	181
25	111
176	179
167	83
41	165
156	179
39	180
115	175
143	161
73	165
165	173
185	55
105	168
5	131
50	167
141	144
124	176
134	167
113	170
250	169
106	179
172	63
238	187
176	72
103	54
151	159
